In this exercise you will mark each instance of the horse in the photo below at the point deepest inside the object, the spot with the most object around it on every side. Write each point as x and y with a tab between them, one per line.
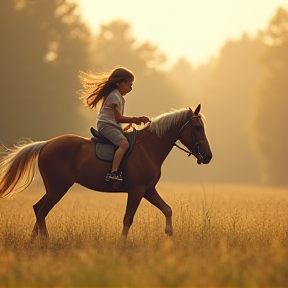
69	159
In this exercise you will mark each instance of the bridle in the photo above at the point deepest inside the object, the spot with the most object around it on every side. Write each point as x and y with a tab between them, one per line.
193	138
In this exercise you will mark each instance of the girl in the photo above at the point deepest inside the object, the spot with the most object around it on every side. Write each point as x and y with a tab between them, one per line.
109	89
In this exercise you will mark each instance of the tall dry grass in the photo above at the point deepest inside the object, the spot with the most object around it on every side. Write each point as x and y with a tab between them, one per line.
223	237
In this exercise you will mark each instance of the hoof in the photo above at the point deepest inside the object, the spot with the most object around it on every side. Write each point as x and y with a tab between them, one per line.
169	231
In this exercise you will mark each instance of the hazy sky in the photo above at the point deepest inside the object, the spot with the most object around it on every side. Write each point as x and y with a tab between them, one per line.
194	29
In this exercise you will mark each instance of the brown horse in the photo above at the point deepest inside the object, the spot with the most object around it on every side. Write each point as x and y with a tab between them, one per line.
70	159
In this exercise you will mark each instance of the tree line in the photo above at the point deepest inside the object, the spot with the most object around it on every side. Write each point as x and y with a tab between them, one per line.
242	91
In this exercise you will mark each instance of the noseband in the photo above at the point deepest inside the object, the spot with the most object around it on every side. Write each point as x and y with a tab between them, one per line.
193	138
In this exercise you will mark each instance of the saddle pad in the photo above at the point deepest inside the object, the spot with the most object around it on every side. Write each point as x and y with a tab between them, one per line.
105	151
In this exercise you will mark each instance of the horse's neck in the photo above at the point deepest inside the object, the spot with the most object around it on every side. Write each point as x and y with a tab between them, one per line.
170	134
142	134
157	147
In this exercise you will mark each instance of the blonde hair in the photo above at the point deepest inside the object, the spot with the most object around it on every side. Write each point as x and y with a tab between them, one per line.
97	86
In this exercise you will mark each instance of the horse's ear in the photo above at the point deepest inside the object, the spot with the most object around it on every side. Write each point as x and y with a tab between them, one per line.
197	110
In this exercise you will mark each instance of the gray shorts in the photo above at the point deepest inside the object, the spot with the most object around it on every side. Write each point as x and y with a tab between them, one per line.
112	133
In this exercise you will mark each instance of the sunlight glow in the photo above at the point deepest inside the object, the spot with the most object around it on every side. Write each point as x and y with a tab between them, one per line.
194	29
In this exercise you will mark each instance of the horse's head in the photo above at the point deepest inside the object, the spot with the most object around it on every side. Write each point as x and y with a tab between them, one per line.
192	135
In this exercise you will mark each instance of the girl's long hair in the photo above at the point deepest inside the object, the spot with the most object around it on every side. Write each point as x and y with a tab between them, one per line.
97	86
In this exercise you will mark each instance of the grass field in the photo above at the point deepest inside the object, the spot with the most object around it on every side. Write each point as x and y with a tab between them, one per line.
223	237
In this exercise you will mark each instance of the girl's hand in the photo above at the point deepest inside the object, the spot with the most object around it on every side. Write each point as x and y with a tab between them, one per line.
142	119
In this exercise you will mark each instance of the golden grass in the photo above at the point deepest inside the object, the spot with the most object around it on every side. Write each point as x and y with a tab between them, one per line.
223	237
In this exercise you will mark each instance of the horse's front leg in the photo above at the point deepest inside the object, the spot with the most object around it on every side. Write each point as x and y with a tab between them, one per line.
134	198
154	198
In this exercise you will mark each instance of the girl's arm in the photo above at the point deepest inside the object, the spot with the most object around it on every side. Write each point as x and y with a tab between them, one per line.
126	119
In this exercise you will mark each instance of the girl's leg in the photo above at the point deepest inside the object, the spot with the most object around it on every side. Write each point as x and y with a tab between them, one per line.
119	154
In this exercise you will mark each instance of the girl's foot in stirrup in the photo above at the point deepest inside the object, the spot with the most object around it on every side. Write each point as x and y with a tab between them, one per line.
115	176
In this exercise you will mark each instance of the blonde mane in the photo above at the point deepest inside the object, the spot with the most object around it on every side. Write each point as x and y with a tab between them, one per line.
163	122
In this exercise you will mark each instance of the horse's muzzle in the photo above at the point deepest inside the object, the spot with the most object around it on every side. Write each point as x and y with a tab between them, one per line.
203	159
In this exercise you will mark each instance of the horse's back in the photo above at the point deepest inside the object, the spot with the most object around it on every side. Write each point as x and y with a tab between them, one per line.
64	145
62	150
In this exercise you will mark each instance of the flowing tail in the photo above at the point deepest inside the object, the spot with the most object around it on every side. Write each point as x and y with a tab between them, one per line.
17	167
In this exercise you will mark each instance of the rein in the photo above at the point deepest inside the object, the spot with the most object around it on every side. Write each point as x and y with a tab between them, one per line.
189	153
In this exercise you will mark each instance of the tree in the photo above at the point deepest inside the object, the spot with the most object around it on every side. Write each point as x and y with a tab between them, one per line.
270	103
230	92
43	45
223	86
115	45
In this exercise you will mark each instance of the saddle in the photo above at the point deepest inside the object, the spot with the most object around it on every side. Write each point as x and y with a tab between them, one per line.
105	149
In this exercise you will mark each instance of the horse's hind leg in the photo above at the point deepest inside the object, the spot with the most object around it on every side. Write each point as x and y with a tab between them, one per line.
154	198
43	207
36	208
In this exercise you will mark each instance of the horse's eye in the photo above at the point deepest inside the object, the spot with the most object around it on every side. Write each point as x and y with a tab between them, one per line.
197	128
